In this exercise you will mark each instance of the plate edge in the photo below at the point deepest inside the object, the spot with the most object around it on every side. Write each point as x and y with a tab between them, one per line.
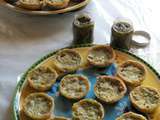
61	11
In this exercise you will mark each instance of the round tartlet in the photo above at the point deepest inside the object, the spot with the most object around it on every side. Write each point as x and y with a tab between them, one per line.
131	116
101	56
42	78
57	4
59	118
109	89
145	99
74	86
31	4
132	73
38	106
67	60
87	109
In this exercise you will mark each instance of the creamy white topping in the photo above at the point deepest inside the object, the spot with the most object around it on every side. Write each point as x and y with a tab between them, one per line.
88	111
68	58
74	86
131	72
108	90
38	105
99	56
145	98
42	76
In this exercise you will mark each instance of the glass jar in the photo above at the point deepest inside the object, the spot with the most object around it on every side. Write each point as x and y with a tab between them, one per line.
121	34
83	29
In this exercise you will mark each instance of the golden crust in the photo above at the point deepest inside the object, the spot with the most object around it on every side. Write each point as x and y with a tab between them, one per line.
42	78
59	118
132	82
97	112
57	4
29	4
101	55
78	86
43	112
114	88
67	60
131	116
145	99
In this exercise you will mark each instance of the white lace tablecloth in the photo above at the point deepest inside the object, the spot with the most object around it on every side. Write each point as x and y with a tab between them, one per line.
24	38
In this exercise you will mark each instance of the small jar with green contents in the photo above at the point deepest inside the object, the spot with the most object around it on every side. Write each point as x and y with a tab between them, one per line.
121	34
83	29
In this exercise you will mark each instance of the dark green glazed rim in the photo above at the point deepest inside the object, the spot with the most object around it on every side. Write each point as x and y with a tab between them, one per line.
14	110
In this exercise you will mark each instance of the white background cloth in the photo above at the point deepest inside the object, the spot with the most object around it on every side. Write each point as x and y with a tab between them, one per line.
25	38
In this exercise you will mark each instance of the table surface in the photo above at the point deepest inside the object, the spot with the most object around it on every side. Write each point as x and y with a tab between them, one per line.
25	38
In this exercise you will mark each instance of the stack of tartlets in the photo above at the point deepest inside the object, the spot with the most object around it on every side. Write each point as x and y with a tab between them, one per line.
75	87
30	4
40	4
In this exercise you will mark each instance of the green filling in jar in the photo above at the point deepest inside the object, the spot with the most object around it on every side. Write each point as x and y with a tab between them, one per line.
83	29
121	35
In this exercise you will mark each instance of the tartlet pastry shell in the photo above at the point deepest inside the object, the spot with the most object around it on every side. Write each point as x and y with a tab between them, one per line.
128	114
137	106
107	62
63	68
120	85
58	4
30	6
132	83
42	87
83	101
33	116
81	77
